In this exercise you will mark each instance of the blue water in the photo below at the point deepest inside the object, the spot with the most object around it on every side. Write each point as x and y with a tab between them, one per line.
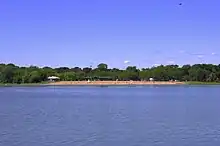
110	116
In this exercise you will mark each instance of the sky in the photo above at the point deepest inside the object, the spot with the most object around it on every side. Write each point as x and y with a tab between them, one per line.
116	32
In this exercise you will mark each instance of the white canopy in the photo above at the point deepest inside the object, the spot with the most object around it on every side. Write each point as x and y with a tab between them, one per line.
53	78
151	79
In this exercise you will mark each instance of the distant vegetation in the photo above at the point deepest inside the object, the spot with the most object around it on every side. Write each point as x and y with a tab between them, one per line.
10	73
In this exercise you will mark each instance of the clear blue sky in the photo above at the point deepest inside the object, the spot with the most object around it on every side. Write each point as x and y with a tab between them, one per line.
87	32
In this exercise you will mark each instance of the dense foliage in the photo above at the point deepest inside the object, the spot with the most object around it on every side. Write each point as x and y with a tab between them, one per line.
9	73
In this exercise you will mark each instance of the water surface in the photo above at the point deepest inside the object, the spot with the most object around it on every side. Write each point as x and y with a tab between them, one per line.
110	116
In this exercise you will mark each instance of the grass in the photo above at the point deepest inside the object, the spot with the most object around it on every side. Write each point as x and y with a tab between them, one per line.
202	83
23	84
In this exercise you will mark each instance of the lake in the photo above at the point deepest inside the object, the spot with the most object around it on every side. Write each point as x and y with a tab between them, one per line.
179	115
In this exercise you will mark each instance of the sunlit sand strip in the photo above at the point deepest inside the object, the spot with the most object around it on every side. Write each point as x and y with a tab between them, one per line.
116	83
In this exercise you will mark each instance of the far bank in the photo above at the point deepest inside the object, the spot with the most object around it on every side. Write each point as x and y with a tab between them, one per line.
100	83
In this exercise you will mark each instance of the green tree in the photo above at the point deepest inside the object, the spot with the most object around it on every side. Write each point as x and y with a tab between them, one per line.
7	74
10	73
35	77
102	67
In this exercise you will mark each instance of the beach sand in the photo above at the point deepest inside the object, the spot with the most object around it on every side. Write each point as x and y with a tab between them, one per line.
116	83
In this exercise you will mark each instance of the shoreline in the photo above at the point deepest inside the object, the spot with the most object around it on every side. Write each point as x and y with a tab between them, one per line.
116	83
106	83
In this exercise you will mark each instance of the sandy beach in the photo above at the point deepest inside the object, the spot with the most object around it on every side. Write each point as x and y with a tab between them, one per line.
116	83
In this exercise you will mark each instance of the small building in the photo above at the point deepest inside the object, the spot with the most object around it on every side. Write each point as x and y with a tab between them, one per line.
53	78
106	78
98	78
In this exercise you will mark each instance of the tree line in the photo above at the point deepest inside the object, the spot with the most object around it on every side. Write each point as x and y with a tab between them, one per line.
10	73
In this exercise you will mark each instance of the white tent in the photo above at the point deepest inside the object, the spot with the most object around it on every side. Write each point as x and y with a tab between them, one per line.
151	79
52	78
